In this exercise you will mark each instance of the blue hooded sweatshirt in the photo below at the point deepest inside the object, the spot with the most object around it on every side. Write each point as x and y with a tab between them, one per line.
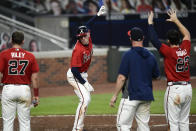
140	66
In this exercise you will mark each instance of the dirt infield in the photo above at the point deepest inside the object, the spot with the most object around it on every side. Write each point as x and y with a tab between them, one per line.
100	123
94	123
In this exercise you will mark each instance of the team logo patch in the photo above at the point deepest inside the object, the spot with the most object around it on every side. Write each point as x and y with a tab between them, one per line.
86	57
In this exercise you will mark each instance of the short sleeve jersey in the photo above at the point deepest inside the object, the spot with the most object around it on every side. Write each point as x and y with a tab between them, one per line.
81	56
176	61
17	66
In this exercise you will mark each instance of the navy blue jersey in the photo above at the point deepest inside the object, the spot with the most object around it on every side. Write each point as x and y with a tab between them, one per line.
140	66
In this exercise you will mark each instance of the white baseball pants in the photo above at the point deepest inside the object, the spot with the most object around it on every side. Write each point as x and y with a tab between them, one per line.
84	97
16	98
177	103
128	109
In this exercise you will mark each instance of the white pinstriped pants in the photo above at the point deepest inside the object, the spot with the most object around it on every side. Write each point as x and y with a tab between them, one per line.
177	104
84	97
16	98
128	109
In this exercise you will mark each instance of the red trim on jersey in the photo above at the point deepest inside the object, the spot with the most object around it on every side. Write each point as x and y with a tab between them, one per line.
176	61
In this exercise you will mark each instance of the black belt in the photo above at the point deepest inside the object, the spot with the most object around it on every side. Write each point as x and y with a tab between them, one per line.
84	72
14	84
179	83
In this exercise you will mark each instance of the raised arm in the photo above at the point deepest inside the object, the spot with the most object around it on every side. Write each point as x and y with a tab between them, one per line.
182	28
101	11
153	35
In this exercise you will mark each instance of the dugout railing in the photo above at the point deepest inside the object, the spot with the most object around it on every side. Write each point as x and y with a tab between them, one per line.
47	40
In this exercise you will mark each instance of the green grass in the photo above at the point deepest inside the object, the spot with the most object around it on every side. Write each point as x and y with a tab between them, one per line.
99	105
157	104
68	104
193	103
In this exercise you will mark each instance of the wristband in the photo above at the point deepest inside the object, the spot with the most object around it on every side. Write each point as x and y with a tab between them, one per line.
36	92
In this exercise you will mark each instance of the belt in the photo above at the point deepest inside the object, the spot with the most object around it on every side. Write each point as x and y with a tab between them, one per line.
178	83
84	72
14	84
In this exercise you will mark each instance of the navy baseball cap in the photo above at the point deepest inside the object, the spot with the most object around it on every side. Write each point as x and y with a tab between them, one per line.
136	34
82	31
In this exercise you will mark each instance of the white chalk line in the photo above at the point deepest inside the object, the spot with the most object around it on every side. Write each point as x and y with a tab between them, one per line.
194	115
163	125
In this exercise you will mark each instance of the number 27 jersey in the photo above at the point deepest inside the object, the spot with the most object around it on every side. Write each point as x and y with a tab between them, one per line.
176	61
17	66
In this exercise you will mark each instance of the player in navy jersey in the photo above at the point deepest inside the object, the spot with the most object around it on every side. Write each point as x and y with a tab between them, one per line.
138	66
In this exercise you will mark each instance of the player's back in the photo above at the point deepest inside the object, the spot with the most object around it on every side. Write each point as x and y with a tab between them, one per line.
17	66
176	61
140	66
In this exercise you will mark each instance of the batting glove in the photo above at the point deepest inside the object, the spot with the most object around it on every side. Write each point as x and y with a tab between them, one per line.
88	86
101	11
35	101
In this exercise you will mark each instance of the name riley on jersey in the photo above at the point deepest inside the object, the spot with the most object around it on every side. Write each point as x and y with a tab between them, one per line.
17	54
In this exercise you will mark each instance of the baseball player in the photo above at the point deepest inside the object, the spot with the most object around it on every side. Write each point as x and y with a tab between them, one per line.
19	68
138	67
77	74
176	55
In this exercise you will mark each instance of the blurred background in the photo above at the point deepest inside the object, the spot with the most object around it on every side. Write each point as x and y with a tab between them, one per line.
50	27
